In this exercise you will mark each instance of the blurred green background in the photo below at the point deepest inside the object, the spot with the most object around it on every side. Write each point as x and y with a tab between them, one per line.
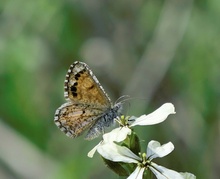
156	50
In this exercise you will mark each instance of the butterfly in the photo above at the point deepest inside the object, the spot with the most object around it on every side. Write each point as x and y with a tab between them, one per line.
88	106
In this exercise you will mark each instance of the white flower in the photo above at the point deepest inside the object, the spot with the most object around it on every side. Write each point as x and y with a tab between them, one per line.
116	153
120	134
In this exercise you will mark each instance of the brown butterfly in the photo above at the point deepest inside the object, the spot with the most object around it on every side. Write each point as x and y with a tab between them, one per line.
88	106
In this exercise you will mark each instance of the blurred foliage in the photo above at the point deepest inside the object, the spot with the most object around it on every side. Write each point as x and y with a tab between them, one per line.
40	39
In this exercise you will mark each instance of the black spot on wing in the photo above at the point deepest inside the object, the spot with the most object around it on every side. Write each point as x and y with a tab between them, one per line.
92	86
77	76
74	94
73	89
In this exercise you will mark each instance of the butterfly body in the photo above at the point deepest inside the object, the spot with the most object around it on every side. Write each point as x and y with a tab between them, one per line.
88	105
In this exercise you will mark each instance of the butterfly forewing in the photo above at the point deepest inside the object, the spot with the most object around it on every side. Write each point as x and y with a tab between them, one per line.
81	86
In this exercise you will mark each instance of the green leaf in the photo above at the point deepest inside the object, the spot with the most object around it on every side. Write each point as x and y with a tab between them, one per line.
120	168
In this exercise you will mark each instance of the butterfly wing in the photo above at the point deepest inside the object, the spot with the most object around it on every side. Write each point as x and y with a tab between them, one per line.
82	87
74	119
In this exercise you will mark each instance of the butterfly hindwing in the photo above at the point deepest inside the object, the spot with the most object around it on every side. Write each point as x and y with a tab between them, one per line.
74	119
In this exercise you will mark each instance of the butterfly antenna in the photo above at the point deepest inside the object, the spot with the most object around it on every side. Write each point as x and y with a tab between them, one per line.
122	99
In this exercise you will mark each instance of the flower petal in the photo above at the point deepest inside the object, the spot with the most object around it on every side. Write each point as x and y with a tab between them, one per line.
92	152
155	149
117	153
137	173
117	135
163	173
187	175
155	117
